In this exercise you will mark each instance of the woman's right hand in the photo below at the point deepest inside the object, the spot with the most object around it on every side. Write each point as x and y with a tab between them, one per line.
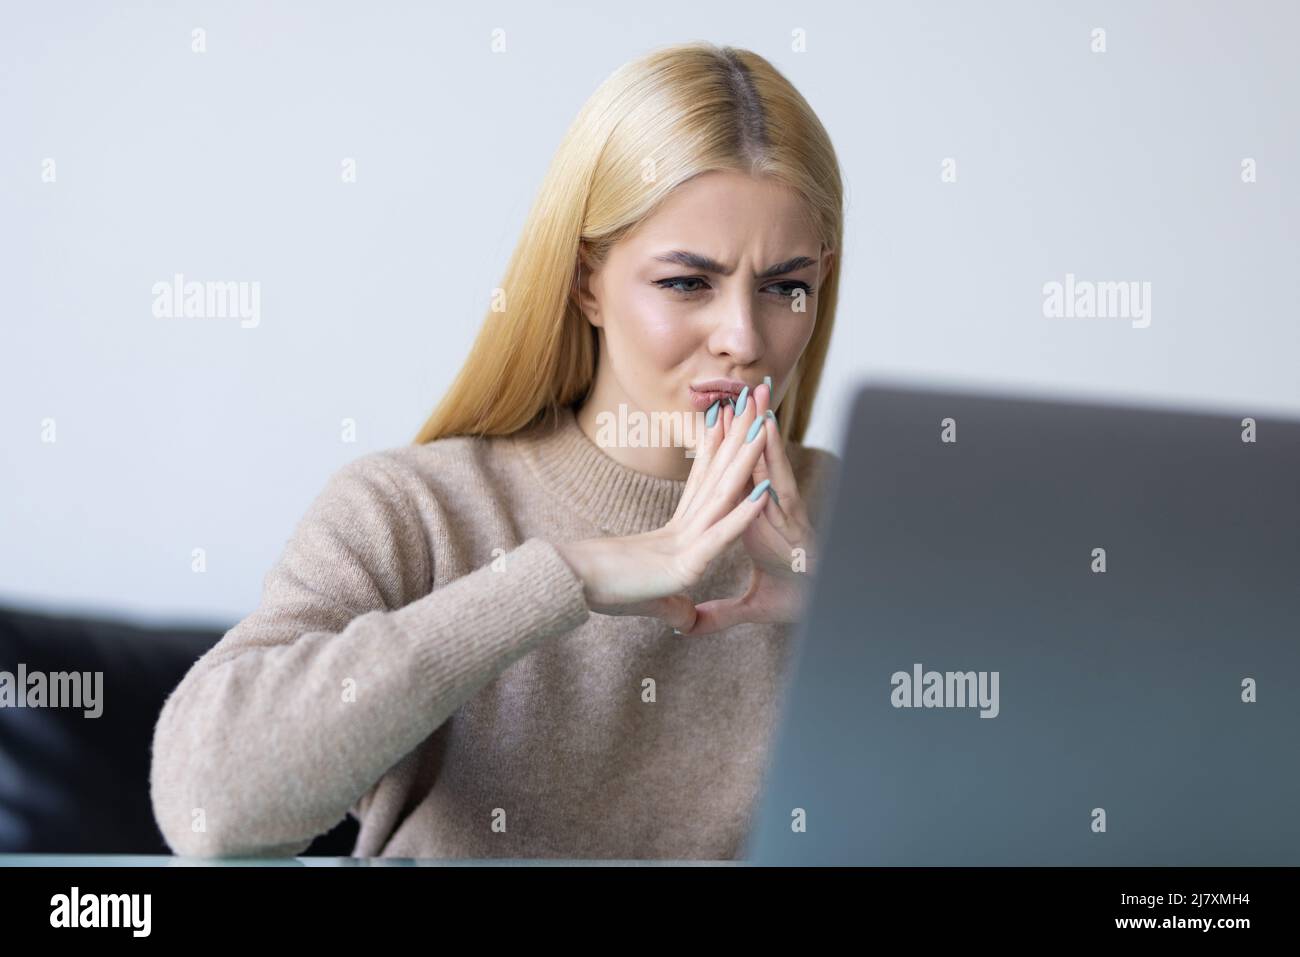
648	574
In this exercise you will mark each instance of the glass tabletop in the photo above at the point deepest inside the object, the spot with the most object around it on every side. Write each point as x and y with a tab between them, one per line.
160	860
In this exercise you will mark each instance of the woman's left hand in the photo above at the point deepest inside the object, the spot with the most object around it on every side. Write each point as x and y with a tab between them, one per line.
779	542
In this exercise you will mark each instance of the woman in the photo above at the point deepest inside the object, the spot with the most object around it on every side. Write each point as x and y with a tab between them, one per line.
469	642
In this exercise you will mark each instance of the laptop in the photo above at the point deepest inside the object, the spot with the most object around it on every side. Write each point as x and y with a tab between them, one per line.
1046	632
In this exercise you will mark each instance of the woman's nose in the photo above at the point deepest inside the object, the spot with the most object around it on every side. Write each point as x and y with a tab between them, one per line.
735	331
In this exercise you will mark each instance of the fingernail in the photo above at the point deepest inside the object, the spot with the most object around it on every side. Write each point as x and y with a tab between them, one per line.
759	489
712	415
775	496
767	380
740	402
676	632
732	402
753	430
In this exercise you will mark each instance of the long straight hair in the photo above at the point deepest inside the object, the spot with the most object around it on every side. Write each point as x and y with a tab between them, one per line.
655	123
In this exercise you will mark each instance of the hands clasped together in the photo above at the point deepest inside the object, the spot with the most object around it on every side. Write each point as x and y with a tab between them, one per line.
741	485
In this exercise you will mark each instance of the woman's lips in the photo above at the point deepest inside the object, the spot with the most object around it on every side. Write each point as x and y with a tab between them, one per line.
700	401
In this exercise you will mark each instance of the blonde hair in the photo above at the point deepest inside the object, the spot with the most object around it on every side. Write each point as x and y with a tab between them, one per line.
679	111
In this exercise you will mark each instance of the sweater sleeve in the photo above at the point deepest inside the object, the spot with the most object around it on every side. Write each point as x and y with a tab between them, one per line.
348	663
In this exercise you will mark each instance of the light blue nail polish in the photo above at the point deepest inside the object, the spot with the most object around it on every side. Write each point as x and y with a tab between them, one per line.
771	415
732	403
767	379
759	489
712	415
775	496
740	402
753	430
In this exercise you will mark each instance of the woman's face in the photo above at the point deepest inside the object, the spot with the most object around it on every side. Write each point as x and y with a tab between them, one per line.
720	284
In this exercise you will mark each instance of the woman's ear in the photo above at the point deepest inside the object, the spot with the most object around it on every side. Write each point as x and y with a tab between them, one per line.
587	302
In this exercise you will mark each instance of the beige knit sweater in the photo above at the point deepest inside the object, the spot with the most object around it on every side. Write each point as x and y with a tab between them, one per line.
424	659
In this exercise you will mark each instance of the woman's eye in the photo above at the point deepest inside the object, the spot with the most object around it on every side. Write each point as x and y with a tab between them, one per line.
796	284
671	284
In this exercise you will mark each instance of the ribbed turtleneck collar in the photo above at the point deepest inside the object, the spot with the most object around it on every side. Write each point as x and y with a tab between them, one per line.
618	499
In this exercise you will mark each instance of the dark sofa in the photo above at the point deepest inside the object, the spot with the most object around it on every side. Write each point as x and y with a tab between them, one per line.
76	785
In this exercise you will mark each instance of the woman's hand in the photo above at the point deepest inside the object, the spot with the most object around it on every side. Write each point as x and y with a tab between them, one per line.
779	543
648	574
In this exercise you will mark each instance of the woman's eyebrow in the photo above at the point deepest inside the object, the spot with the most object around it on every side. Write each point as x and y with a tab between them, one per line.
705	264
